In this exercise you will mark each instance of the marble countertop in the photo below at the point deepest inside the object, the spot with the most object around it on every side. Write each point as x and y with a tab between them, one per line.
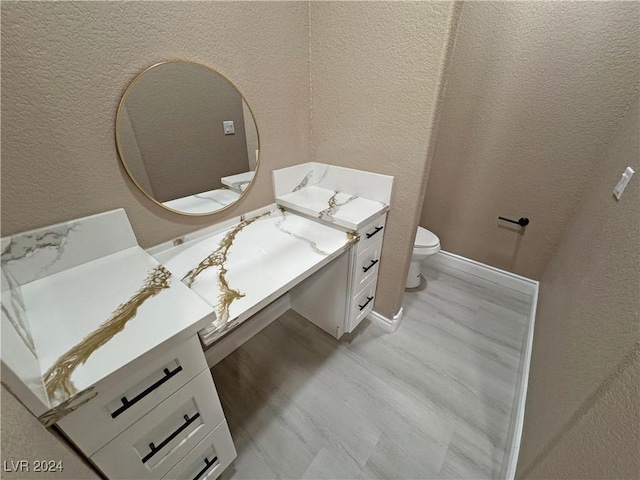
251	263
341	209
126	301
80	301
339	196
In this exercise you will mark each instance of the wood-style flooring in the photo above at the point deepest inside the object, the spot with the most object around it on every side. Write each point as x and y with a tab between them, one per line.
432	400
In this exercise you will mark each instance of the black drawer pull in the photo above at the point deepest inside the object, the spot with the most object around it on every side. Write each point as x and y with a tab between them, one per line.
126	403
207	465
373	262
187	421
362	307
369	235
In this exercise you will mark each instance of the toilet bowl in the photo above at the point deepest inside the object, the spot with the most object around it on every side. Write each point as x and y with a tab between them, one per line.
425	245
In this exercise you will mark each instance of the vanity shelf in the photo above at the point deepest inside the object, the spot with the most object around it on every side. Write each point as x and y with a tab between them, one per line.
331	206
342	197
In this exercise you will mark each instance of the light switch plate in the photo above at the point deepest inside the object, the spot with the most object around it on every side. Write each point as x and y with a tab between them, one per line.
229	129
622	183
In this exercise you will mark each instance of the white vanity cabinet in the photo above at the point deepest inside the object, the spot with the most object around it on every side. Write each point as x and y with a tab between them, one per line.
147	418
338	297
208	459
363	274
155	444
127	395
341	295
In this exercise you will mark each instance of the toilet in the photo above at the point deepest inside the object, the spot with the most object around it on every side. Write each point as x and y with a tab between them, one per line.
425	245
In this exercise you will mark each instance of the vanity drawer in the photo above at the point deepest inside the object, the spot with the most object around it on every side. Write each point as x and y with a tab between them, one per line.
207	460
371	233
361	305
366	265
144	384
153	445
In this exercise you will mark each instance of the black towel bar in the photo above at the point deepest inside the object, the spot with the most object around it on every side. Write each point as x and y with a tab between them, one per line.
523	221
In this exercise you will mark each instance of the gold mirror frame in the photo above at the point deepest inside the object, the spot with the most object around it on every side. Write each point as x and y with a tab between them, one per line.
126	92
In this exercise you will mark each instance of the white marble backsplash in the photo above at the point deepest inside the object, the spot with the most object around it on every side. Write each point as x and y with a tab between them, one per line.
13	308
297	177
367	185
18	346
45	251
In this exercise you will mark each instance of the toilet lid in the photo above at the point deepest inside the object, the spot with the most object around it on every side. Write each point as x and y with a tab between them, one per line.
424	238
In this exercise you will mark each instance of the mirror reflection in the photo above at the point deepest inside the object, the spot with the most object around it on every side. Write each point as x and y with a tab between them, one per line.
187	137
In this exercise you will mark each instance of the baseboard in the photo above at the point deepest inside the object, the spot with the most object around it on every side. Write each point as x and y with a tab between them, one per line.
230	342
456	264
517	414
389	324
451	261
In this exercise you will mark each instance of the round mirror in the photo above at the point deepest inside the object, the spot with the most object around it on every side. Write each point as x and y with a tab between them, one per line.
187	137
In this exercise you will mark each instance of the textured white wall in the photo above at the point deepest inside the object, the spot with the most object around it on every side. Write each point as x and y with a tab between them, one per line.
588	322
66	64
376	70
603	442
535	92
